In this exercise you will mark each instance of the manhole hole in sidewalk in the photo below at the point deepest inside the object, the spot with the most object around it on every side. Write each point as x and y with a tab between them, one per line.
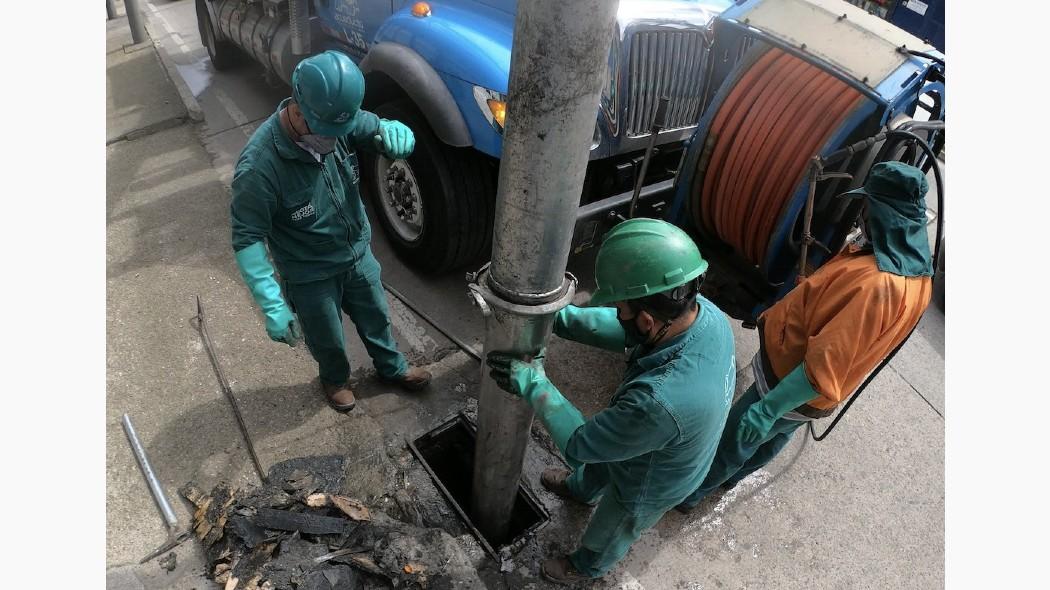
447	453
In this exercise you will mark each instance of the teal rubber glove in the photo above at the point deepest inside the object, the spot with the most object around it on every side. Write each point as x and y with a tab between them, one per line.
395	139
792	391
593	326
258	274
527	380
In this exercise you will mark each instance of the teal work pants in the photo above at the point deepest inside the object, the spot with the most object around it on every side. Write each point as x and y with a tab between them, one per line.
359	294
612	529
735	459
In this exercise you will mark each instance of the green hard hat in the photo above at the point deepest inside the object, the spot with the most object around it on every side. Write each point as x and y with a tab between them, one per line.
642	257
329	88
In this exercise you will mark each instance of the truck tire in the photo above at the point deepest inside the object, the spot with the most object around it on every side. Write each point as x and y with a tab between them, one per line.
437	206
224	55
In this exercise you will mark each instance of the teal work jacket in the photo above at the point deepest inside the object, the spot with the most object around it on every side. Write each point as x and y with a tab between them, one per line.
659	434
309	213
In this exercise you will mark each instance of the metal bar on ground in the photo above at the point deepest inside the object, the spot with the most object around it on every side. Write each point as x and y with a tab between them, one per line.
175	536
470	350
225	385
557	71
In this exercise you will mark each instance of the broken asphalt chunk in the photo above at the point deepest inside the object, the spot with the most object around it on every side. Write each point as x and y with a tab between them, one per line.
284	520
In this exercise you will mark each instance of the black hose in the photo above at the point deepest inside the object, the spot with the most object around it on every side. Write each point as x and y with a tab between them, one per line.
925	55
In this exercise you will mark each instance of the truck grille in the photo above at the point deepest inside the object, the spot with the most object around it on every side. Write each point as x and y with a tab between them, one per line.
664	63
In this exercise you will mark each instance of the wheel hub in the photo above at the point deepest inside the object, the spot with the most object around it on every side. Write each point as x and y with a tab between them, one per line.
401	197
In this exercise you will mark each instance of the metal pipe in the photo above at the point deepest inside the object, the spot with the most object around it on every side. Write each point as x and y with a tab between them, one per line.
138	29
151	478
299	20
111	9
558	67
654	131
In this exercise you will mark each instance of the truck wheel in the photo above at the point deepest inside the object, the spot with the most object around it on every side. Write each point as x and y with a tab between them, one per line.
223	54
436	207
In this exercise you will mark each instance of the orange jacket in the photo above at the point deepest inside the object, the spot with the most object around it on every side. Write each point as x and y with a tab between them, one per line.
842	321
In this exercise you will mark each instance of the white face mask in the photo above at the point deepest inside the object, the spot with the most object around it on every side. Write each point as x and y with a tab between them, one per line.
320	144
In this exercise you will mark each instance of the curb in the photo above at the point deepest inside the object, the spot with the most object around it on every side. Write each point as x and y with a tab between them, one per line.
159	125
148	129
193	108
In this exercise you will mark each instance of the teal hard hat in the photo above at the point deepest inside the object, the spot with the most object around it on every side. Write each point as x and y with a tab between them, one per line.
329	88
642	257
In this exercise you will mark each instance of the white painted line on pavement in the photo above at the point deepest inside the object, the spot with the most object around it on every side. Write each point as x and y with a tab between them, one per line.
231	108
238	116
404	321
177	38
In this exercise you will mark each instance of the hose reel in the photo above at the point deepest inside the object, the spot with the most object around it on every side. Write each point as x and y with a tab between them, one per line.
780	112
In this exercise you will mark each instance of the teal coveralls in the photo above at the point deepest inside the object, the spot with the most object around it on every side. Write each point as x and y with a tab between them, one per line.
737	459
654	443
312	219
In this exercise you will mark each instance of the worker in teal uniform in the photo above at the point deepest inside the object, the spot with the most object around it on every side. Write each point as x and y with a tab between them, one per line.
653	444
295	188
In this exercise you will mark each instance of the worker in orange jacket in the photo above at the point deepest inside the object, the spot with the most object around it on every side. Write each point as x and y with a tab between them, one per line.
818	343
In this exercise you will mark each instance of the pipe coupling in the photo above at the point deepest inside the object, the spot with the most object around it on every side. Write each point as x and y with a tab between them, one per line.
487	298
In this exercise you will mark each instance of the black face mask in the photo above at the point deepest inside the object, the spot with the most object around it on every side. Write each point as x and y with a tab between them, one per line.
632	331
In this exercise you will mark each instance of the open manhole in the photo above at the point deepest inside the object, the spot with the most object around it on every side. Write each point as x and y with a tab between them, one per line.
447	453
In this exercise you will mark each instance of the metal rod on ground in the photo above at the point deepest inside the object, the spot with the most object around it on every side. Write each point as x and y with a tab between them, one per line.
558	67
415	308
111	9
138	29
203	327
175	536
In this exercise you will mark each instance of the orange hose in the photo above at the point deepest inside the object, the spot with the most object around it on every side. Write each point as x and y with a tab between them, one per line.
729	174
772	122
790	81
717	129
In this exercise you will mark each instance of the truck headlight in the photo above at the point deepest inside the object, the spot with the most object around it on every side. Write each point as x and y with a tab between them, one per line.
493	105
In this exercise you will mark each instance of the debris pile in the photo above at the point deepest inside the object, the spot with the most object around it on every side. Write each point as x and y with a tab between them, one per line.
304	532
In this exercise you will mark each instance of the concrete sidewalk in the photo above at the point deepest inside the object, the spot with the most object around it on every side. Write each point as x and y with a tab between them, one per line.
864	509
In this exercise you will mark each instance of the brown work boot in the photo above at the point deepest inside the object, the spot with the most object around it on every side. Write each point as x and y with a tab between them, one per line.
340	397
561	571
414	379
554	480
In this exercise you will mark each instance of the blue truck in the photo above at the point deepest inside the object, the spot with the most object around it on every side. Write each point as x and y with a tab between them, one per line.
442	67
